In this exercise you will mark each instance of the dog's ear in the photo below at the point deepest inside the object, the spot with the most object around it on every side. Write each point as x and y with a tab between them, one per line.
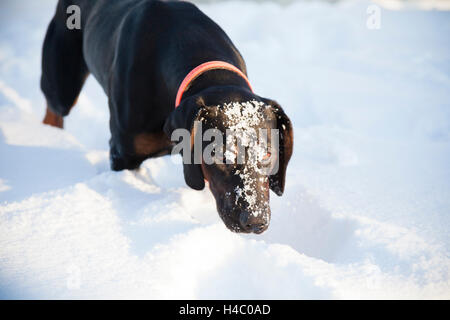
286	135
183	117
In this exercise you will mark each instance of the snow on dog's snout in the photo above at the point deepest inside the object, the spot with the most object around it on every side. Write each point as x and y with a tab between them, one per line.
247	145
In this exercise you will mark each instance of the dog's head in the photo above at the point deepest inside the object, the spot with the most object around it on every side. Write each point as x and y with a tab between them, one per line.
241	145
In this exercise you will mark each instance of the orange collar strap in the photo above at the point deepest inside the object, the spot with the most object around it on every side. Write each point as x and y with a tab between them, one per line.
195	73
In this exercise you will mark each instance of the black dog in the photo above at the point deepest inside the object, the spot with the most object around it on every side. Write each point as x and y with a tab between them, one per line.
140	51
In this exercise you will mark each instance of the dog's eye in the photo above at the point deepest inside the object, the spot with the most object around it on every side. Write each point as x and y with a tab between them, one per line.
267	156
267	161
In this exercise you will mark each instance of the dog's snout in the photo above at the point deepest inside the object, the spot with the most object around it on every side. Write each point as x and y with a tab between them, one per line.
252	223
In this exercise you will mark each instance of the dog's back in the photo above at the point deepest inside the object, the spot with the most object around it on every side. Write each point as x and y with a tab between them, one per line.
149	42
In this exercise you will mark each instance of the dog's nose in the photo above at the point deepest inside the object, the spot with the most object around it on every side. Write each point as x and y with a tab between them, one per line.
251	223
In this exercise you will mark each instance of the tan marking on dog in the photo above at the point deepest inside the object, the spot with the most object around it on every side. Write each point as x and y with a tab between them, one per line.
52	119
55	120
150	143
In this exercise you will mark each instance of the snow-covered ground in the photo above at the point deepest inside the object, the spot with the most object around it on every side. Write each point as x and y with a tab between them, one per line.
366	212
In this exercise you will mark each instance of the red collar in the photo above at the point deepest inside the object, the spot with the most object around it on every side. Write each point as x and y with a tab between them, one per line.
195	73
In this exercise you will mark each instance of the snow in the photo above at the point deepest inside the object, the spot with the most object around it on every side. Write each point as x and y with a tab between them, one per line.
366	209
